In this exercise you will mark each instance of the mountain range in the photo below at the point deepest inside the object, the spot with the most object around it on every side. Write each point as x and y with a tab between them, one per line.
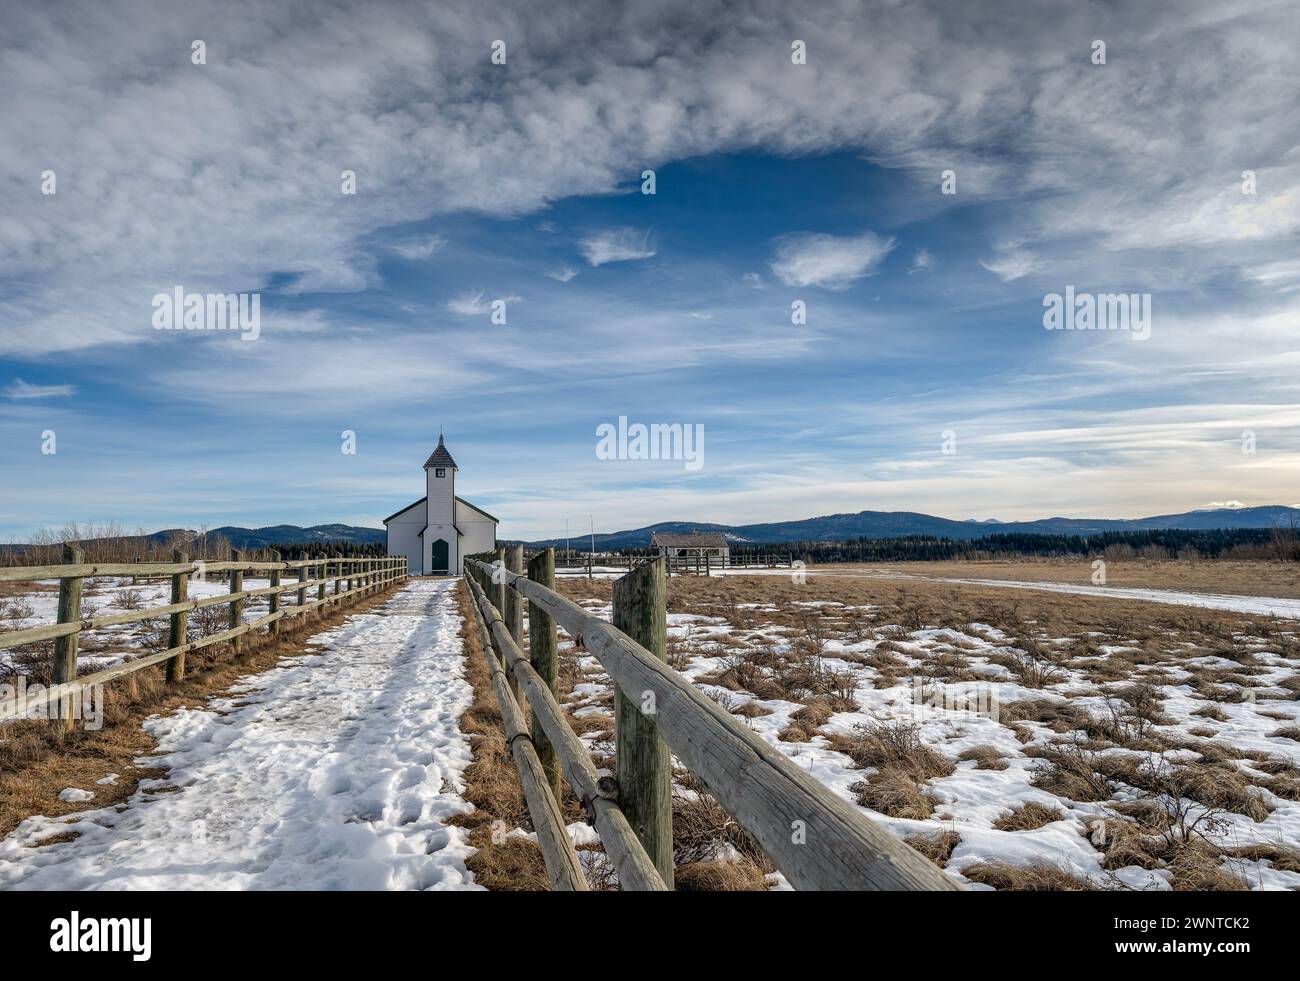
898	524
827	528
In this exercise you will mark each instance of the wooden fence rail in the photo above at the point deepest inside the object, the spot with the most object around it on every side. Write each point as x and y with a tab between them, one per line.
370	575
598	795
816	839
682	565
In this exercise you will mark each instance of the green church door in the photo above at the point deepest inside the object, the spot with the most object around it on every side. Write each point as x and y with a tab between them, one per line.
438	565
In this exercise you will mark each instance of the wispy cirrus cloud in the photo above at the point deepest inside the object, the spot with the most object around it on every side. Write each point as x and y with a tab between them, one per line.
19	389
616	245
563	274
475	303
469	304
829	261
419	248
1012	265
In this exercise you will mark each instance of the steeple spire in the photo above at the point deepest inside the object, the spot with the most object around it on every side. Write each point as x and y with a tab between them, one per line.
440	457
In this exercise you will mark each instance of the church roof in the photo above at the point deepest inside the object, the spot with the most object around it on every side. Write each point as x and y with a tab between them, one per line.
440	457
459	500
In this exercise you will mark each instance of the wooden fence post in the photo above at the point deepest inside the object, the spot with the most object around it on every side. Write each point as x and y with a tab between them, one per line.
65	648
275	597
179	627
302	577
236	607
645	773
498	589
542	647
513	614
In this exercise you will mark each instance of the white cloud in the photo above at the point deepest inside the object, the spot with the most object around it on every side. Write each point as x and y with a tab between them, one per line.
921	261
1284	275
563	274
1144	157
473	304
1223	506
19	389
468	304
828	261
616	245
421	248
1011	265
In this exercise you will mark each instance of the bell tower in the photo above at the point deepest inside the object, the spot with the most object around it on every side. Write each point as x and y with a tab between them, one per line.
440	536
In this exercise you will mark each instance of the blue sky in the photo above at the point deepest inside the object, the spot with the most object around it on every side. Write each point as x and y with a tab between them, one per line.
775	183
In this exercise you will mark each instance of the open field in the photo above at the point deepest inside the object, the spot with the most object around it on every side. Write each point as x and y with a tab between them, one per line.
1253	578
1021	739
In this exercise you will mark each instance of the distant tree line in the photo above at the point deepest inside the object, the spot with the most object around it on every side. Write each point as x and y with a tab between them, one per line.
321	550
1278	544
109	542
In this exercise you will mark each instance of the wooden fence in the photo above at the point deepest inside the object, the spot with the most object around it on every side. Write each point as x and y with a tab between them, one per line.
680	565
352	579
816	839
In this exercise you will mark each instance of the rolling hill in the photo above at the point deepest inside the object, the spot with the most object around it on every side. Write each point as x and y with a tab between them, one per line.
898	524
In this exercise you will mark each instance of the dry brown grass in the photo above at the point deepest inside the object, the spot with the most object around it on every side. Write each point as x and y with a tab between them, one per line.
1218	576
1279	856
492	782
738	876
805	722
1071	771
985	757
937	847
1027	878
895	792
858	605
893	744
1028	817
903	764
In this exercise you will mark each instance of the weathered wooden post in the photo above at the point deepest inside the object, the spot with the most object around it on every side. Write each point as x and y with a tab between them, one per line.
237	606
542	647
498	590
338	575
302	577
322	573
513	614
179	626
275	597
65	647
514	611
645	773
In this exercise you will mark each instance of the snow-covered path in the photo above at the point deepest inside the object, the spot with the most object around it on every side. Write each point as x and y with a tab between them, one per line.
335	770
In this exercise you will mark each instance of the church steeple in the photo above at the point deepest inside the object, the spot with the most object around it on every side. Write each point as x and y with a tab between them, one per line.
440	457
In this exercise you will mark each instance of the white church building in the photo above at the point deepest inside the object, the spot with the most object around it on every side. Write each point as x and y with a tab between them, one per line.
436	532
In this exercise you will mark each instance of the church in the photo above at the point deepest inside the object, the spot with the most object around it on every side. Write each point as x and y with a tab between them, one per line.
436	532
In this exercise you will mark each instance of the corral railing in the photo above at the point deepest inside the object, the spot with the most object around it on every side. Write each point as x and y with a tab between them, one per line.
814	837
351	578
